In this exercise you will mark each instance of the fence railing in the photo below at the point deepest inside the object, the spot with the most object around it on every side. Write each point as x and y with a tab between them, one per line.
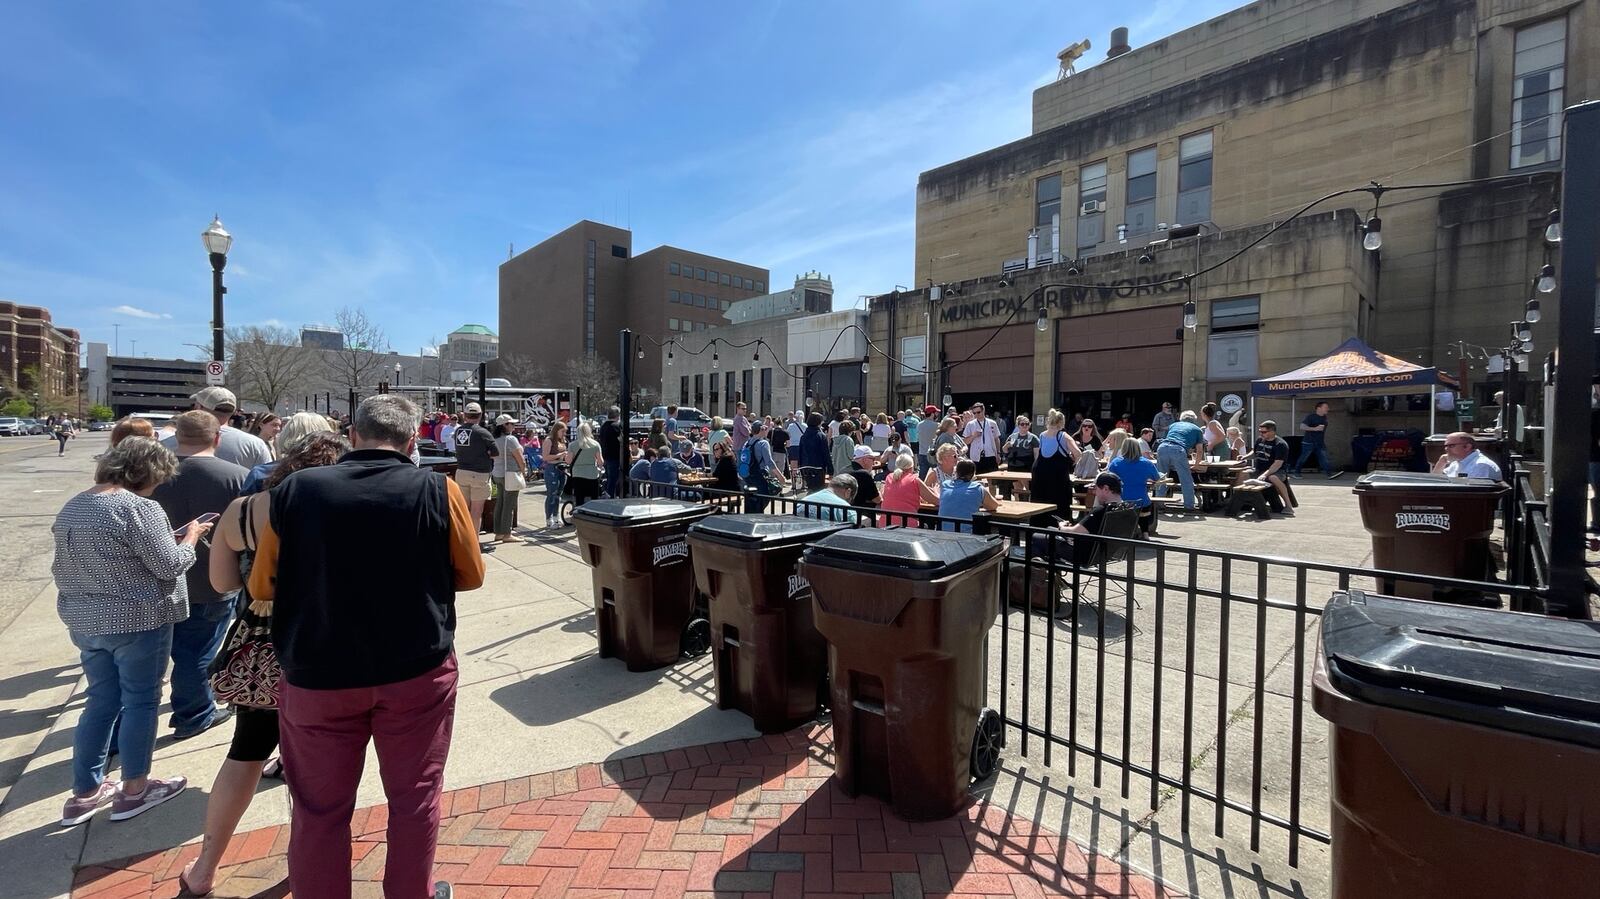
1179	671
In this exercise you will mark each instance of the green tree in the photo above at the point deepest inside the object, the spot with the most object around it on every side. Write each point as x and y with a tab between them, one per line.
99	412
17	408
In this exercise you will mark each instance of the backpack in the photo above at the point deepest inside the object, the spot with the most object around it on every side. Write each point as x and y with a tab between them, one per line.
744	461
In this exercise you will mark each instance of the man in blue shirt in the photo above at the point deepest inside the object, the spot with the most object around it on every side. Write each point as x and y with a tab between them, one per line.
639	474
761	472
1314	429
1172	455
840	491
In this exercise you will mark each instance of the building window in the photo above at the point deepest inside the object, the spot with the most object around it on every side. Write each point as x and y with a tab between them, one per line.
1232	348
700	391
726	305
1194	178
729	394
761	285
1046	200
712	276
766	392
913	357
1236	315
714	382
699	300
699	274
672	324
672	296
1091	206
1141	199
588	299
683	391
672	268
744	385
747	284
727	279
1537	92
619	251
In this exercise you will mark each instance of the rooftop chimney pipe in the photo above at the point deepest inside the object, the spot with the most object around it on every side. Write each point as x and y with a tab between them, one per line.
1119	43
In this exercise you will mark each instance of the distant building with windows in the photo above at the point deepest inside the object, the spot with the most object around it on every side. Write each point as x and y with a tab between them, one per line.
137	384
812	293
1057	258
321	337
471	344
29	339
571	294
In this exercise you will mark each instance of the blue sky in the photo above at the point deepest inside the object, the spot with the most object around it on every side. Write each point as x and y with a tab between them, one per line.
384	155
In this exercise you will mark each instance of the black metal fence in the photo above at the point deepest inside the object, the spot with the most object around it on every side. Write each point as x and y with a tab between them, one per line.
1181	672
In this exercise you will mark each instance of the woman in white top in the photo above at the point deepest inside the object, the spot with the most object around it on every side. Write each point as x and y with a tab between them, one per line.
880	433
509	475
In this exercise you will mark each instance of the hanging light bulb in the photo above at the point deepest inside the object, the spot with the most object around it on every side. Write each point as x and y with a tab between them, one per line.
1520	359
641	351
948	400
669	353
1374	236
1531	313
756	356
1524	332
1552	231
714	359
866	368
1546	282
1190	318
1043	322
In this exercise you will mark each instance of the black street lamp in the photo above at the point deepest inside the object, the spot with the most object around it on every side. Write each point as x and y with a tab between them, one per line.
217	241
397	374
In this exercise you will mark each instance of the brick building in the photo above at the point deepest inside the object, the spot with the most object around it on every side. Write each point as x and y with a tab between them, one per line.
1228	127
29	339
568	296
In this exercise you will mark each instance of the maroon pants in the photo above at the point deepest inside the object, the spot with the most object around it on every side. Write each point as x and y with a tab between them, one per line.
325	735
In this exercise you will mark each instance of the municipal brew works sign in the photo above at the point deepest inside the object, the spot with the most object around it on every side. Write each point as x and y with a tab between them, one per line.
1002	307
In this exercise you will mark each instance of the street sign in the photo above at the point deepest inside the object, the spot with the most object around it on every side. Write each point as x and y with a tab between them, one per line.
1466	409
214	374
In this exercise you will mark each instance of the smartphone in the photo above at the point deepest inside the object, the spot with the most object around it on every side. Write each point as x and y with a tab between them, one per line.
207	518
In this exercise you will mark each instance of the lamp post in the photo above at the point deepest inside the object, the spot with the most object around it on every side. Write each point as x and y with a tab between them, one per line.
397	374
217	241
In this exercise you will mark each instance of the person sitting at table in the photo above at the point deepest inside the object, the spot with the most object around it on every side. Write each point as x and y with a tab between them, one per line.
1236	447
664	471
724	470
1105	495
841	490
904	492
1136	473
1462	459
1088	434
1147	443
690	456
1112	447
1271	454
945	469
1021	446
863	464
962	497
639	473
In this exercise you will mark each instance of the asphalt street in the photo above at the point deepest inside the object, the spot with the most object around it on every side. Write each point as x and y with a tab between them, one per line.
33	485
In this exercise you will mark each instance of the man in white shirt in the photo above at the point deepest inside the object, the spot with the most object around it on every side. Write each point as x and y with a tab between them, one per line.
233	445
983	440
795	429
1461	459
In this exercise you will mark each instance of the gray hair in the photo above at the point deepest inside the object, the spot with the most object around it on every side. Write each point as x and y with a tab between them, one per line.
298	427
387	418
844	482
1188	415
904	462
136	463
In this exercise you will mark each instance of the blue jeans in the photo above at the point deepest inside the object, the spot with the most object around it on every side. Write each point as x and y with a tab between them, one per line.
613	479
195	642
554	479
1170	457
124	672
1306	449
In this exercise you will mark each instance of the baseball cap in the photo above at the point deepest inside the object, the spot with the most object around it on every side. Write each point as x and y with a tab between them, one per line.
213	398
1109	480
930	410
504	420
864	451
474	409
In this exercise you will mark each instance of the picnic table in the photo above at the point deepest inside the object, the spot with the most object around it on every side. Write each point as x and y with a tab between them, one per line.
1010	510
1006	481
696	479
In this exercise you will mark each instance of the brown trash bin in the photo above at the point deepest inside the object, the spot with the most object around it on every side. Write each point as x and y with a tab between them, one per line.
1430	524
770	662
906	614
644	596
1460	766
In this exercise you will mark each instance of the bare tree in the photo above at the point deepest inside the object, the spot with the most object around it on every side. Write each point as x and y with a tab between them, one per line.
522	370
595	379
434	370
359	365
266	365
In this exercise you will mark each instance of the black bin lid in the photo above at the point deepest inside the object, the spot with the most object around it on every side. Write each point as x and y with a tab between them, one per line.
1506	670
1419	481
903	552
639	511
763	531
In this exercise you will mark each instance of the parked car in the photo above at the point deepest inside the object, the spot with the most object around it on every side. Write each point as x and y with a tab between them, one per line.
688	417
36	427
12	427
99	425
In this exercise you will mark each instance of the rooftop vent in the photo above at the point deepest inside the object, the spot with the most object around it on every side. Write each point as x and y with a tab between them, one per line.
1119	43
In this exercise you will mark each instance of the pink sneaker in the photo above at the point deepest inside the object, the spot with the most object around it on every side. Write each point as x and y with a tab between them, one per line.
155	792
79	810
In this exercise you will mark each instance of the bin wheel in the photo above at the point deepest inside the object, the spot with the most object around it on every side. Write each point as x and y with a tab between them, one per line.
986	744
696	638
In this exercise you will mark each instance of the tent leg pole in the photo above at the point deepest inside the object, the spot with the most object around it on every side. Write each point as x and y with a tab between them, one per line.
1252	411
1433	409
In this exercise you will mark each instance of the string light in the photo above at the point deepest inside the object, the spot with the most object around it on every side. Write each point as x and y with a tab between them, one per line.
669	352
866	368
1043	322
1552	231
1523	331
1531	314
1546	282
1373	239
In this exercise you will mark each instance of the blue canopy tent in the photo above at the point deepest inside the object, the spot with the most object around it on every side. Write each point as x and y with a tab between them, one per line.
1353	369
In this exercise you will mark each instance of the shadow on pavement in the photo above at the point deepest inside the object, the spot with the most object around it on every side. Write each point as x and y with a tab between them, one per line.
590	683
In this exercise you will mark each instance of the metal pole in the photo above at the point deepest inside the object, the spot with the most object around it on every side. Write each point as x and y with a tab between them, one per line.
624	353
483	384
1580	225
218	261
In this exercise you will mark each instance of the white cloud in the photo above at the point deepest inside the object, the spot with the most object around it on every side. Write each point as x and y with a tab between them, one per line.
136	312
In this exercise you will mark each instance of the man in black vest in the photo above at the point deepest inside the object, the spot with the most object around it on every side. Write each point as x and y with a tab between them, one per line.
362	561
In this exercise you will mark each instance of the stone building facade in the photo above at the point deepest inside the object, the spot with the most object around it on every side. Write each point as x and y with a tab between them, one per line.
30	340
1230	126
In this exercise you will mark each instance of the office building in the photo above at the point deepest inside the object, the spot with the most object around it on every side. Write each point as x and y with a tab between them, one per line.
137	384
570	295
471	344
1170	158
321	337
31	341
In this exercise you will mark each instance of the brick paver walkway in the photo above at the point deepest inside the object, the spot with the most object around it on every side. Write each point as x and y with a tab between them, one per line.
756	817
